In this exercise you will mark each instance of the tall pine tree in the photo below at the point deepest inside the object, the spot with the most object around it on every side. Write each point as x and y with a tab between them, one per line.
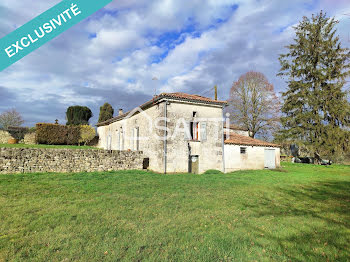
316	109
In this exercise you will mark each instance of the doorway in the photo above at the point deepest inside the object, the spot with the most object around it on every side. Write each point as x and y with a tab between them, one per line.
270	160
194	164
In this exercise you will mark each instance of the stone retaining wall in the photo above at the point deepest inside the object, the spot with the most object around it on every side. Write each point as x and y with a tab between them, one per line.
38	160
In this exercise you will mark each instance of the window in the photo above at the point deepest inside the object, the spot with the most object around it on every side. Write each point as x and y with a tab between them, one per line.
121	139
243	150
136	139
194	131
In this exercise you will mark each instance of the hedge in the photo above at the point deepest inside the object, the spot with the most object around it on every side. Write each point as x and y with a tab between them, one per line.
54	134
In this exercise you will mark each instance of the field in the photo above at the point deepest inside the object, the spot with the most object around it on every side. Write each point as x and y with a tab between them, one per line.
299	213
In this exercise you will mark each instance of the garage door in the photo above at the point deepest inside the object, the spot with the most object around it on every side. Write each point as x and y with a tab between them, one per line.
270	161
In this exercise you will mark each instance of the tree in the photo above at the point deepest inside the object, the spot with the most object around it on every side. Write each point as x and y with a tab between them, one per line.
316	111
106	113
78	115
87	134
254	104
11	118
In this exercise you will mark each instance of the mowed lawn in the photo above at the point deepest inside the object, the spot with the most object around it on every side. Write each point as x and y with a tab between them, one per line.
299	214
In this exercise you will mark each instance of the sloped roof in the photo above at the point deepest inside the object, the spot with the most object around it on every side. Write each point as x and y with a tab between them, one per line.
247	141
176	96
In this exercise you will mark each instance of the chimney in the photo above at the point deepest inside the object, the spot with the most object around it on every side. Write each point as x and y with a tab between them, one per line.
121	112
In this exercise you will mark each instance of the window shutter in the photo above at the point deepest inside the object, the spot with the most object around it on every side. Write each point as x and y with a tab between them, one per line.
118	138
137	138
187	127
109	141
133	139
203	130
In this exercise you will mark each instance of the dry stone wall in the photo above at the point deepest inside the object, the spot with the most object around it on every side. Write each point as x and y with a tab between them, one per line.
29	139
39	160
4	137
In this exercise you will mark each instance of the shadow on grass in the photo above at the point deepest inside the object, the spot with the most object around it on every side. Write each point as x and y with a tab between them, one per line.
320	221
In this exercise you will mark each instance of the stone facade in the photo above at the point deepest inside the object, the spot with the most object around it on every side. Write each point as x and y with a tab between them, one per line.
4	137
120	135
35	160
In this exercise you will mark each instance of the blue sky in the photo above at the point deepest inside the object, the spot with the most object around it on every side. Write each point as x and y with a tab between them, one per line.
112	56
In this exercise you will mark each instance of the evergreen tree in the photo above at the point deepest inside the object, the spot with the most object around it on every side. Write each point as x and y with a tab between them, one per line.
316	110
106	112
78	115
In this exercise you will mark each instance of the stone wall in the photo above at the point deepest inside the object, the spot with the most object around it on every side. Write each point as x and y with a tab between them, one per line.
4	137
151	140
29	139
39	160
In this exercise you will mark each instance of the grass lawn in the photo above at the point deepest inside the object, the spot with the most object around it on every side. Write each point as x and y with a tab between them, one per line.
46	146
301	214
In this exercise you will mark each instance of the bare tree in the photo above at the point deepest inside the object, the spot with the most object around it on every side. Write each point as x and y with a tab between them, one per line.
10	118
254	104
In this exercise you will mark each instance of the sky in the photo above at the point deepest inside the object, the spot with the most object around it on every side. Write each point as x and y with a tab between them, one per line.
132	49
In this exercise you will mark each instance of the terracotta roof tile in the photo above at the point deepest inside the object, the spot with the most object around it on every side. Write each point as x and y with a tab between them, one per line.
247	141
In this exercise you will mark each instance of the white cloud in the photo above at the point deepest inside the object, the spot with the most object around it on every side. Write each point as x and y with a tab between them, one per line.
189	45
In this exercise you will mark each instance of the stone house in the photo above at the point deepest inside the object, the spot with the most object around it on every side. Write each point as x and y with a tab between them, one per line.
179	132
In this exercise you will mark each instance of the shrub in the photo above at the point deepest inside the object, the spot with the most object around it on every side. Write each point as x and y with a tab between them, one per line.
54	134
18	132
212	172
73	135
51	134
87	134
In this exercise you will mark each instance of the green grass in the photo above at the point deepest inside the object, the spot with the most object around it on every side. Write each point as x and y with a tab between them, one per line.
300	213
46	146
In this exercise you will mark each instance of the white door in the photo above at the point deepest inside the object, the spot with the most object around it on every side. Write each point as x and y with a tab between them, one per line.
270	160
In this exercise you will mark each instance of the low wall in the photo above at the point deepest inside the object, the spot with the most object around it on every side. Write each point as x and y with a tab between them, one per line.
4	136
39	160
29	139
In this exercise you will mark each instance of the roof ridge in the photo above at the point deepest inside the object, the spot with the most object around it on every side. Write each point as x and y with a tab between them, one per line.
178	95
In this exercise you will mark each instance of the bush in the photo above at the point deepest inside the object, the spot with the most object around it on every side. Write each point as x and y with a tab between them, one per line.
212	172
51	134
54	134
73	135
18	132
87	134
